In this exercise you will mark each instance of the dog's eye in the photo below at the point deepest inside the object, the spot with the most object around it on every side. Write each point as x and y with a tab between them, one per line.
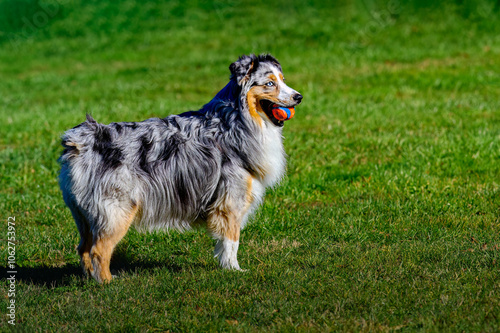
270	84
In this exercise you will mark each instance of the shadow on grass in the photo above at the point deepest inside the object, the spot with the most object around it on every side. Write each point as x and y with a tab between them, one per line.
66	275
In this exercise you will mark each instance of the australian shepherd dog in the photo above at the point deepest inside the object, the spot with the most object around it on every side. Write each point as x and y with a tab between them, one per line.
201	168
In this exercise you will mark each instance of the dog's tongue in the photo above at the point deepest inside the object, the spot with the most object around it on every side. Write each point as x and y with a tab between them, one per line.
282	113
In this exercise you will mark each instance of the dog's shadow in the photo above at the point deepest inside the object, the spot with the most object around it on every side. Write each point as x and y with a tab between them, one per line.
66	275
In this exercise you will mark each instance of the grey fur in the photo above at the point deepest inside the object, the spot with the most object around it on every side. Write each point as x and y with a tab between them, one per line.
178	169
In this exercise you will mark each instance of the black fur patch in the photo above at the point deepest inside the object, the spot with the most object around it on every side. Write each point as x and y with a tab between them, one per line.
111	155
182	191
118	127
171	147
249	64
171	121
144	149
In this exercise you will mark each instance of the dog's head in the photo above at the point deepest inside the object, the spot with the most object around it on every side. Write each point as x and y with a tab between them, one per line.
263	86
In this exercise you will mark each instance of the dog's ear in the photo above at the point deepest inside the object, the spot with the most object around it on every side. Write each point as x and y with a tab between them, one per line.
242	68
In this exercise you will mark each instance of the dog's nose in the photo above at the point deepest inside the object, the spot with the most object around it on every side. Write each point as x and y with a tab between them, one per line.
297	97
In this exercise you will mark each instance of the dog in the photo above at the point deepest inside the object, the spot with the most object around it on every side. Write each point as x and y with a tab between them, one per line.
206	168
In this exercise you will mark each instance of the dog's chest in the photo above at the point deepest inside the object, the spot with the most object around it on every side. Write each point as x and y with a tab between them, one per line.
274	155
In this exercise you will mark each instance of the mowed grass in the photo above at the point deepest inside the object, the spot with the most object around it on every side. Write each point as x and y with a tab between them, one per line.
388	219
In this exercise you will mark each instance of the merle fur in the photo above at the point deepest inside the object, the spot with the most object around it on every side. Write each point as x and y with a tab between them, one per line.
178	169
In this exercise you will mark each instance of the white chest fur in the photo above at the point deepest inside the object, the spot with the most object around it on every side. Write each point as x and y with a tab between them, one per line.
275	157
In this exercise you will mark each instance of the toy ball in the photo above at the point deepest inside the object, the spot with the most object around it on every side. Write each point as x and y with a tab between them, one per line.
282	113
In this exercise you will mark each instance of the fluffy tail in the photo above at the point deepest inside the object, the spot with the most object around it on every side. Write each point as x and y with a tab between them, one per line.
75	139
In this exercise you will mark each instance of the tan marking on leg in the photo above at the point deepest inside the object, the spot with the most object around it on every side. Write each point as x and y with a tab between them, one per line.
222	222
105	244
84	252
233	232
249	197
100	255
85	242
225	221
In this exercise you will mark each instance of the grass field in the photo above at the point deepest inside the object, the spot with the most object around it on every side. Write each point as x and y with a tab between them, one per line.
388	219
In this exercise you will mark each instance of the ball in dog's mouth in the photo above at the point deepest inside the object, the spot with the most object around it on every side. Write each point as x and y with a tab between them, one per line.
281	113
276	113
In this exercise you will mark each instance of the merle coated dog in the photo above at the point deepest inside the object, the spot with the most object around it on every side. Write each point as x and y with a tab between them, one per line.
201	168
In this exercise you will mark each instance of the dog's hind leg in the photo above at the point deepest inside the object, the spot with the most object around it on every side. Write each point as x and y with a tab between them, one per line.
85	244
83	226
106	239
81	220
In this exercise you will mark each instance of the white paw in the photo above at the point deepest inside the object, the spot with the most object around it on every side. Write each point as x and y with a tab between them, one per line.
226	250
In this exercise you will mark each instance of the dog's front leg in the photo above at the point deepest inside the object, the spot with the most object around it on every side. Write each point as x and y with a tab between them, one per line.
225	227
226	250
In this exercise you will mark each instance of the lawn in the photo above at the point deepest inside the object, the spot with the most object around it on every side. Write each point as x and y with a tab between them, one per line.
388	218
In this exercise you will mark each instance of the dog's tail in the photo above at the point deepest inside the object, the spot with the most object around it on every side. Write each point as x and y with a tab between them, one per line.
77	138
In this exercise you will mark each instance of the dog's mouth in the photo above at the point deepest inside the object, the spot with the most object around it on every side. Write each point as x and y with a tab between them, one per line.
278	114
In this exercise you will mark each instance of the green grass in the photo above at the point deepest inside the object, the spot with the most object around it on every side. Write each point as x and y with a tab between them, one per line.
388	219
